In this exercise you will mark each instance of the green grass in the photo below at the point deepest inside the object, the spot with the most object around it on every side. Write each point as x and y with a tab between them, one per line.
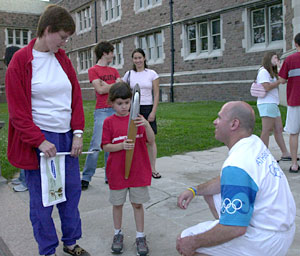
182	127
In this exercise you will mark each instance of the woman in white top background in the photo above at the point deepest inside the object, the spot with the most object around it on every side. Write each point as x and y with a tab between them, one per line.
268	106
148	81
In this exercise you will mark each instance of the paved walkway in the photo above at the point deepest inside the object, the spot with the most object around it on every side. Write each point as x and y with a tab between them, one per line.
163	220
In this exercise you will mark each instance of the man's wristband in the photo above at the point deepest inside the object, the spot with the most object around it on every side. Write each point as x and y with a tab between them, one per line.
194	190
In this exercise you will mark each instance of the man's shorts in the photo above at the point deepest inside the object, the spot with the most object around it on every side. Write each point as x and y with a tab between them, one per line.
254	242
292	123
137	195
268	110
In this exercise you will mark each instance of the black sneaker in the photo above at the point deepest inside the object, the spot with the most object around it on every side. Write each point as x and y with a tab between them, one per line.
117	245
84	185
141	246
77	250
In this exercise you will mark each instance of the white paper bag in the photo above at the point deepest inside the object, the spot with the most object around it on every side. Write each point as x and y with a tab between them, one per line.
53	180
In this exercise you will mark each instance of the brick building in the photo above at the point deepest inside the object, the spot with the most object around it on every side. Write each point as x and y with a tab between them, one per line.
18	21
218	45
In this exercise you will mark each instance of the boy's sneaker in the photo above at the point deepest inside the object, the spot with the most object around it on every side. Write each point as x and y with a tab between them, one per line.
117	245
84	185
77	250
141	246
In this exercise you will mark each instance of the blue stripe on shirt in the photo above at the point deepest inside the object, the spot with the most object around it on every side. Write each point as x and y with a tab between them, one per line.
238	192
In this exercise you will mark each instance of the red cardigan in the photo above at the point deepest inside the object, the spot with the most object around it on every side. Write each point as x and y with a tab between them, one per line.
23	135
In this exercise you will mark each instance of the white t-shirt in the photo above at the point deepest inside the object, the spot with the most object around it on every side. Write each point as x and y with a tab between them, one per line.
254	189
51	93
144	79
272	96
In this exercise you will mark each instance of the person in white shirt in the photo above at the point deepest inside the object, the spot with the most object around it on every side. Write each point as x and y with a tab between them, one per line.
148	81
268	106
250	199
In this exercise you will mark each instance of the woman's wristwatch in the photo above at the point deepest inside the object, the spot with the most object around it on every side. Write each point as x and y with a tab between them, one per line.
78	133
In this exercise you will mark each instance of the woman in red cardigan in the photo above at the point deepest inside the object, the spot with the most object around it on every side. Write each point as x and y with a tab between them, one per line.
46	115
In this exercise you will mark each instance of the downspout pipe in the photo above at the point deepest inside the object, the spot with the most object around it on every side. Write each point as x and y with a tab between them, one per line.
172	52
95	21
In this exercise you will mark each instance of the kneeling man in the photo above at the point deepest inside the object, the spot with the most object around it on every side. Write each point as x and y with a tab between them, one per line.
251	199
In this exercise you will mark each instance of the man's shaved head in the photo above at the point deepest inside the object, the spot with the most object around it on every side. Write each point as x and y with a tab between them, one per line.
243	112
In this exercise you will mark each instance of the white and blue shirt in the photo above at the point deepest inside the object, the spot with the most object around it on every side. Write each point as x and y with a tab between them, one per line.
254	189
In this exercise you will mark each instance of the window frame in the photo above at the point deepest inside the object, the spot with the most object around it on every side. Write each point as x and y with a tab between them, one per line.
84	60
152	44
144	5
197	50
268	43
82	18
118	60
14	37
111	11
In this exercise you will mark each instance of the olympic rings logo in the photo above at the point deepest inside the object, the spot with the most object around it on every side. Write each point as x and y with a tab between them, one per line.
231	207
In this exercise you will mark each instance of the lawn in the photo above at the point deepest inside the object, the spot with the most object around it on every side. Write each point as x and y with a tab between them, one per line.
182	127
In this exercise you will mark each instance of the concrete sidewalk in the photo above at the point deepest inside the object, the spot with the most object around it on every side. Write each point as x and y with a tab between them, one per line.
163	219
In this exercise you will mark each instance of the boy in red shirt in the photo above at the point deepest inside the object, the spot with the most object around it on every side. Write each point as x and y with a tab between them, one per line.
114	141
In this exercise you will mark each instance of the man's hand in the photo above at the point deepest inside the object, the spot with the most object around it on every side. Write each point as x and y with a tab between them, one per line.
76	146
47	148
186	246
184	199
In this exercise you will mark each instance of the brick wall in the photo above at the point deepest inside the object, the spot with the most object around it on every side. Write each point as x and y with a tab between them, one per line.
13	20
195	79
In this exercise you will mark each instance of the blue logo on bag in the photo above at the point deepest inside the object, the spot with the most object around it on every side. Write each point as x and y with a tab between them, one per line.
53	169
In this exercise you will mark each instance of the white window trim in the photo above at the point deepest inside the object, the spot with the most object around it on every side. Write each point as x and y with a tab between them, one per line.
156	61
247	41
137	9
205	54
110	20
85	70
14	43
78	31
119	65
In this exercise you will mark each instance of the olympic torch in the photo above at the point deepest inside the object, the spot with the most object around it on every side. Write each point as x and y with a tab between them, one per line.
132	129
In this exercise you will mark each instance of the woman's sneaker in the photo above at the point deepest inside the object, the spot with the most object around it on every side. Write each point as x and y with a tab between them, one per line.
77	250
141	246
117	245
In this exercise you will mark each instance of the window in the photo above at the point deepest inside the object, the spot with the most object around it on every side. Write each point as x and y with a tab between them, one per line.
17	37
203	38
84	20
85	60
142	5
118	54
266	25
152	46
112	10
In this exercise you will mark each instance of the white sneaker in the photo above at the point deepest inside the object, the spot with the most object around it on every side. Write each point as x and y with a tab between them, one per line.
16	181
20	188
